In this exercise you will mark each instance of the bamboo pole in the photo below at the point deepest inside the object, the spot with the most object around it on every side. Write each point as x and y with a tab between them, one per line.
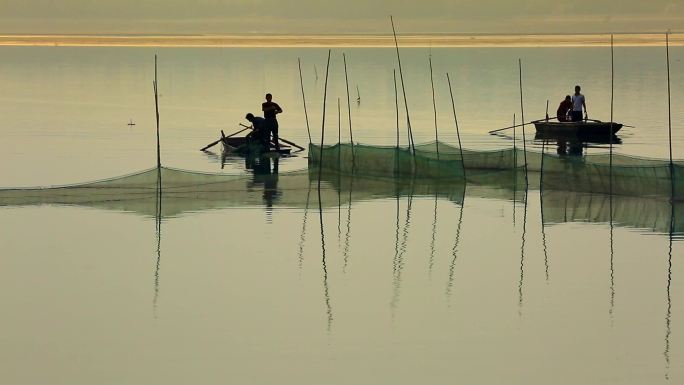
403	89
156	108
522	115
610	182
396	103
434	104
669	106
515	150
346	80
301	83
547	110
458	134
325	96
612	96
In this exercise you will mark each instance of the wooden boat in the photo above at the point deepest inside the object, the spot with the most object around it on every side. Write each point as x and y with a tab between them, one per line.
239	144
581	129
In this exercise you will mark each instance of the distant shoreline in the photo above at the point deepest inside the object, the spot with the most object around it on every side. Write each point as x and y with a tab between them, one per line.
318	41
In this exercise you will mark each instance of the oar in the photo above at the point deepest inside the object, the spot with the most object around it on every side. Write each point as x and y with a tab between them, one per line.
284	140
518	125
212	144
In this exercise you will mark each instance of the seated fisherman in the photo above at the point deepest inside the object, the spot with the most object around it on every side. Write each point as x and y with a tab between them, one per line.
261	130
563	112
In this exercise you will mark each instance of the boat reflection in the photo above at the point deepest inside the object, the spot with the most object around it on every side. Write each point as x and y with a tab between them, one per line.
573	145
264	169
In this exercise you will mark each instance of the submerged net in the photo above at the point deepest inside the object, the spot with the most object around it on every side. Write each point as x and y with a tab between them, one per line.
171	192
179	191
631	176
378	161
431	160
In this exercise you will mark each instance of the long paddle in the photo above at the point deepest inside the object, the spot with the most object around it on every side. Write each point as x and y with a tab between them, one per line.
212	144
283	140
518	125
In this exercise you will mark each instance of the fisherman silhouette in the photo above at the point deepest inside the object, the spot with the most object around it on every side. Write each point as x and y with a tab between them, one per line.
270	110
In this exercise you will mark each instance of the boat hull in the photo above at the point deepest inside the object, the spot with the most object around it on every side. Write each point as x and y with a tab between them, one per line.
583	129
240	144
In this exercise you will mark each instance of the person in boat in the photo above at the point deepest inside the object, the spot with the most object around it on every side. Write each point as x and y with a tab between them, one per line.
563	112
260	134
578	103
270	109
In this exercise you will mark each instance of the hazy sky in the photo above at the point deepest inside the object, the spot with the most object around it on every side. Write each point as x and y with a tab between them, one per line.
339	17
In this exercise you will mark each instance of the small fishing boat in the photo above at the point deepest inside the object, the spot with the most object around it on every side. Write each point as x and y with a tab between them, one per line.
581	129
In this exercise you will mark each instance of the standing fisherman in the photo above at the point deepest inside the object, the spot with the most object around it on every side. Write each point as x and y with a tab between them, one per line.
578	103
270	110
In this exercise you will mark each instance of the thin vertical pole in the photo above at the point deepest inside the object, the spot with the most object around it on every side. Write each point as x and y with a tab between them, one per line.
434	105
612	96
458	134
541	177
610	182
403	88
339	123
669	103
396	103
325	96
301	83
668	315
515	149
547	110
522	116
346	80
156	108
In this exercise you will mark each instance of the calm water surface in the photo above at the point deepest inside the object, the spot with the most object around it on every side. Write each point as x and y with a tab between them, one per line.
489	286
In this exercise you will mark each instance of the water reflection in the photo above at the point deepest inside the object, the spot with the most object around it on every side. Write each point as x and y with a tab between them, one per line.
454	251
158	223
347	234
570	145
302	237
668	313
326	289
431	262
543	237
265	171
398	263
522	256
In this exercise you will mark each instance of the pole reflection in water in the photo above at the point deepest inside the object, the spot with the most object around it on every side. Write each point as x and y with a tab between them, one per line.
345	250
326	291
431	263
543	236
401	250
612	251
300	253
158	222
668	313
522	255
454	250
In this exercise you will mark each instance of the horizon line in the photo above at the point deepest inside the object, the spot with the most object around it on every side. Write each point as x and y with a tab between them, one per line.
446	40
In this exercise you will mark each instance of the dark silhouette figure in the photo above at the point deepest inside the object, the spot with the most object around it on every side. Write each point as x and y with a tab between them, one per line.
564	108
270	110
259	136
